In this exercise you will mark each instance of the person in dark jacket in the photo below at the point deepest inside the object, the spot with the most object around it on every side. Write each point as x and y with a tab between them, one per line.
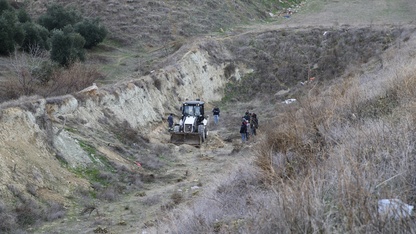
170	121
254	124
247	116
243	131
216	114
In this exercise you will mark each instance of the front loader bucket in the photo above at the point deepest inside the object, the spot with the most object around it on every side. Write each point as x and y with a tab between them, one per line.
178	138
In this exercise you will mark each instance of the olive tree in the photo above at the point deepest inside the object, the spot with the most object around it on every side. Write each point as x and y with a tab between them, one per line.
92	31
67	47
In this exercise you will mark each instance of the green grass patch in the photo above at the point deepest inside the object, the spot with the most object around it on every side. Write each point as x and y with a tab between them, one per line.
69	129
87	148
91	174
96	158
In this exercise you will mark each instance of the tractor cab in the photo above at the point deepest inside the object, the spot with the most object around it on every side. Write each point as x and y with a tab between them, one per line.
193	108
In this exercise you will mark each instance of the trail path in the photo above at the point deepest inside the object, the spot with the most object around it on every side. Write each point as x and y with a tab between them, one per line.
188	172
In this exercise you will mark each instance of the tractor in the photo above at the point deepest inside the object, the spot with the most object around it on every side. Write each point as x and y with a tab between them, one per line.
192	127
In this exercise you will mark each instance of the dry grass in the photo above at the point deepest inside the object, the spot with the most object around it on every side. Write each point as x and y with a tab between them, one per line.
73	79
58	82
323	164
281	59
366	159
27	212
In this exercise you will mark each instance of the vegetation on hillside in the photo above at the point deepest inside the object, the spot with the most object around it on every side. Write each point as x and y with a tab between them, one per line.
61	34
153	24
284	59
20	30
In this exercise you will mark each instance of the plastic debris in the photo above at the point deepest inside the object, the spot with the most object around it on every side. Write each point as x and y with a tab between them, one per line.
138	164
288	101
394	208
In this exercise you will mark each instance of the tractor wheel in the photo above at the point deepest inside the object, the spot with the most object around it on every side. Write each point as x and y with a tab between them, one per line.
201	131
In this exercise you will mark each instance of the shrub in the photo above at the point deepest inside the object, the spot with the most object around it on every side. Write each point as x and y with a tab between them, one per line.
110	194
23	16
68	80
35	35
54	211
92	31
8	223
176	197
24	80
66	48
4	6
57	17
43	72
11	33
28	213
6	37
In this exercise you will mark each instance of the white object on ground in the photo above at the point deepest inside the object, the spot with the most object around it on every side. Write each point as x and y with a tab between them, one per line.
394	208
288	101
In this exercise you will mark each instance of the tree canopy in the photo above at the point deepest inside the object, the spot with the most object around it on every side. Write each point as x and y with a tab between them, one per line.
62	30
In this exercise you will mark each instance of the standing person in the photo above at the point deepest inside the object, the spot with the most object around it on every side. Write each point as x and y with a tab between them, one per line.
248	130
253	124
170	121
243	131
216	114
247	116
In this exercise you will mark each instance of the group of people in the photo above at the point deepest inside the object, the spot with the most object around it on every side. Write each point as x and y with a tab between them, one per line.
249	126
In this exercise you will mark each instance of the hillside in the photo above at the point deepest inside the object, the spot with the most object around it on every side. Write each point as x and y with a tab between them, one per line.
143	32
100	161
